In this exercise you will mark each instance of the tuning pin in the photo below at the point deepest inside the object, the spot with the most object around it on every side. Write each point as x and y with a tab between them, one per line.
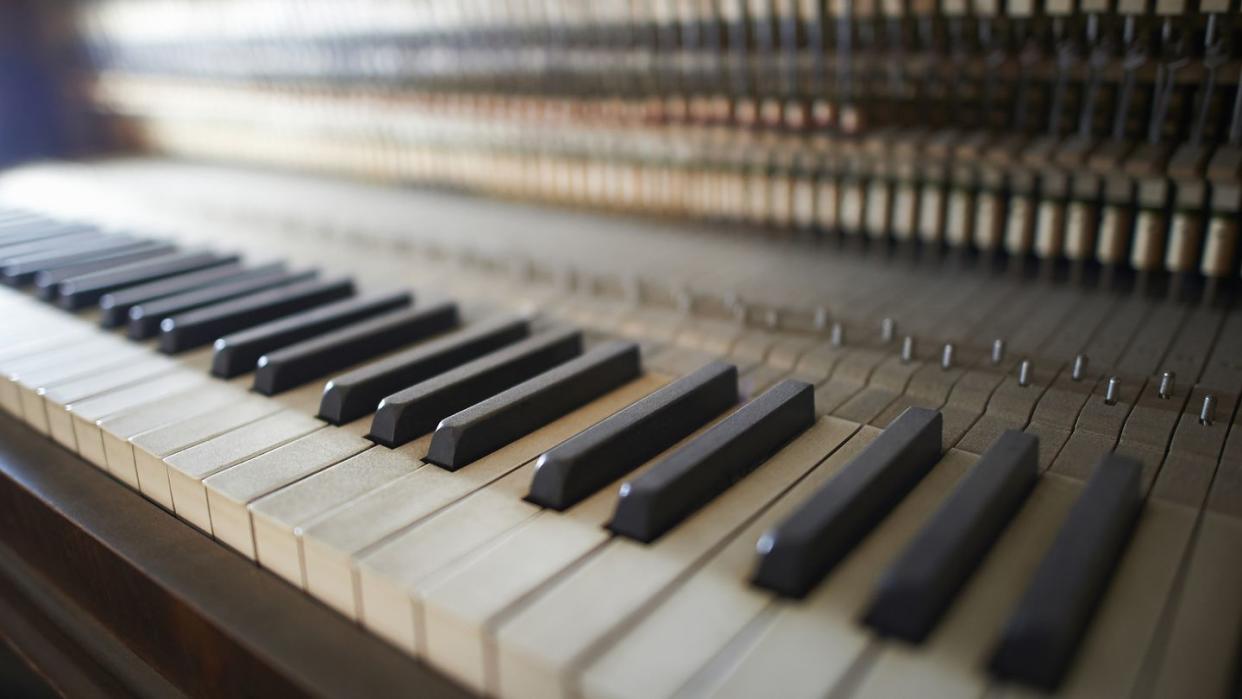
888	330
772	318
1024	373
998	351
837	335
1166	385
821	319
1113	391
1208	412
684	301
946	356
907	349
1080	367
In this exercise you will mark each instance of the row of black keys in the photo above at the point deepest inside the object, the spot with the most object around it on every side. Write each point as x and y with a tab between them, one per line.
487	385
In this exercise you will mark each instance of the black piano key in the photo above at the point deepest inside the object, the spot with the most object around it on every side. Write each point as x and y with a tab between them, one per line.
48	281
415	411
317	357
144	318
482	428
350	396
916	590
656	501
611	448
115	305
1039	640
238	353
200	327
86	290
20	270
802	549
18	246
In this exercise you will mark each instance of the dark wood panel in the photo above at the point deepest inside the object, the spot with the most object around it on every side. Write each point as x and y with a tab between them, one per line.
205	618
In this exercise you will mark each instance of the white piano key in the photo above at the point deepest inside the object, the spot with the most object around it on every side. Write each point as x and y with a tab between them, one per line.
115	430
151	447
329	545
389	576
230	491
85	414
685	631
59	422
187	469
540	645
279	518
60	361
811	644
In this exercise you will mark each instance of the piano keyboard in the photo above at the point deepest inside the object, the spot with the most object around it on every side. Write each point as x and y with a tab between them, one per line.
604	500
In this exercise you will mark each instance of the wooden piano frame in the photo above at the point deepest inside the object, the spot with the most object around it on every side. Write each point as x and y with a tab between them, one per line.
104	593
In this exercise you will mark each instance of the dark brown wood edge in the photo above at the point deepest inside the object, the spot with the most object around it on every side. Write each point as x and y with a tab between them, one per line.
205	618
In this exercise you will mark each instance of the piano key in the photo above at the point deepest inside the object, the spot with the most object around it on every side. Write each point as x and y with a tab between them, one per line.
357	393
921	584
144	318
416	410
202	326
613	447
697	620
391	577
87	413
86	290
793	634
238	353
48	281
330	542
486	426
230	491
278	518
20	270
30	239
150	448
796	555
63	359
653	503
607	590
21	250
115	305
188	468
25	383
1039	640
60	424
952	660
296	364
116	430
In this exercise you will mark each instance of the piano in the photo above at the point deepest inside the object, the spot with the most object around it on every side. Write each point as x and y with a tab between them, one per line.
624	349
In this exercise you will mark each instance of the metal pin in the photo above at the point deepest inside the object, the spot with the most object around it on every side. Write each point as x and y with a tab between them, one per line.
1112	391
837	335
772	318
821	319
907	349
888	330
998	351
1166	385
946	356
1080	367
1024	373
1208	412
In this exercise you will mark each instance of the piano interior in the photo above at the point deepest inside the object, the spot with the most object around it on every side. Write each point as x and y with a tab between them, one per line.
621	349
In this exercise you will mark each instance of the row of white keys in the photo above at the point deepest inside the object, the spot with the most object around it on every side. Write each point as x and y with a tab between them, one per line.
541	642
330	543
454	607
